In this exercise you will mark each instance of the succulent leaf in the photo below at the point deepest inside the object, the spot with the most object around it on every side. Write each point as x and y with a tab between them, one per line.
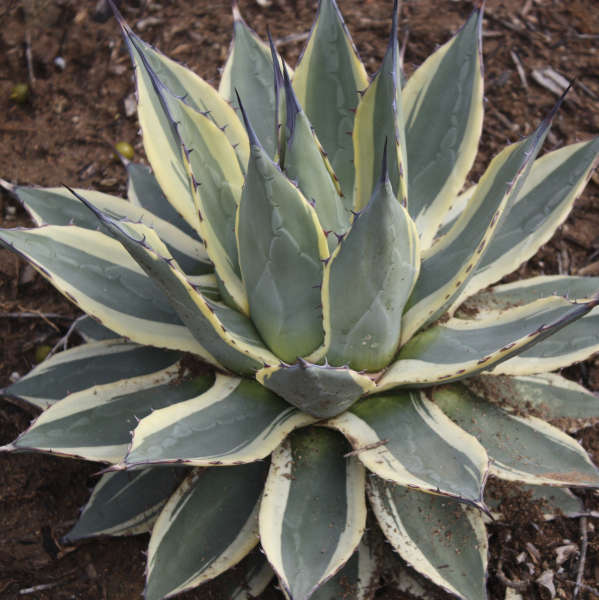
444	540
229	337
319	390
215	180
58	206
143	190
209	524
96	423
249	72
327	81
184	83
313	512
256	573
381	254
106	283
384	431
521	448
357	579
306	164
86	366
125	503
91	330
555	501
449	264
548	395
523	291
281	248
236	421
443	112
461	348
379	129
555	181
573	343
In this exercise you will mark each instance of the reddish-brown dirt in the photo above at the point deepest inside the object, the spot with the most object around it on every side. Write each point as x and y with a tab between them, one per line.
64	134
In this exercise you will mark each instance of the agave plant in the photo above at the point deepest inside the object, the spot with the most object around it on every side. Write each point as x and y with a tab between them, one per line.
290	315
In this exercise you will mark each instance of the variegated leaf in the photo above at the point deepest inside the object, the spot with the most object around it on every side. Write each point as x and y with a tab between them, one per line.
379	130
449	264
303	161
386	432
319	390
327	81
58	206
281	245
96	423
443	111
143	190
209	524
249	72
548	396
521	448
381	251
574	343
216	180
553	501
125	503
313	512
228	336
524	291
86	366
461	348
443	539
92	330
248	579
356	580
546	198
159	137
97	273
236	421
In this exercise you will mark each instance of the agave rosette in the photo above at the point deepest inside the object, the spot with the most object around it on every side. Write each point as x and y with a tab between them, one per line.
311	268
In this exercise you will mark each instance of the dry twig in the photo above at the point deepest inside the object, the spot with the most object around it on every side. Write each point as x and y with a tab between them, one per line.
583	555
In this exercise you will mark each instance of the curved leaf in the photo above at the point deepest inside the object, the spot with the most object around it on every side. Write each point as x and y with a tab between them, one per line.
379	130
125	503
546	198
306	163
461	348
449	264
97	273
208	525
381	254
86	366
230	337
443	111
327	81
549	396
439	537
236	421
249	72
93	331
528	290
319	390
387	434
281	246
96	423
313	512
58	206
520	448
143	190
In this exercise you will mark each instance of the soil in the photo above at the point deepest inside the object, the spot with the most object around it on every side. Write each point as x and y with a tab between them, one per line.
65	133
